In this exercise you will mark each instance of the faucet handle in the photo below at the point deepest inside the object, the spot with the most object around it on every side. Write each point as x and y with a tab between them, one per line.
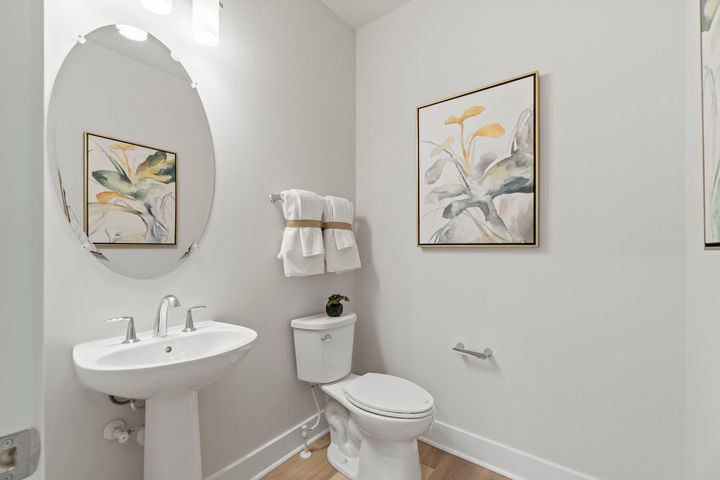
189	323
130	336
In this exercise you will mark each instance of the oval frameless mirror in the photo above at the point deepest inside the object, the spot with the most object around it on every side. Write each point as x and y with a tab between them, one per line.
130	147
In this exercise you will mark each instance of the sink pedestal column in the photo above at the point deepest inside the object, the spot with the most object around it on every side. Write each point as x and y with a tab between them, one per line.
172	438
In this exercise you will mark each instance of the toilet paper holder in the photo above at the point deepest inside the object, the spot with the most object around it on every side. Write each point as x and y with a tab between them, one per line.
484	355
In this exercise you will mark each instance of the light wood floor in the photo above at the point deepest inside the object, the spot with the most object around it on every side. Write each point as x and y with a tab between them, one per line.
436	465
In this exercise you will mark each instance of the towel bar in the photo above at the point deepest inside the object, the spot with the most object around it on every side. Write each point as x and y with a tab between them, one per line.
484	355
274	197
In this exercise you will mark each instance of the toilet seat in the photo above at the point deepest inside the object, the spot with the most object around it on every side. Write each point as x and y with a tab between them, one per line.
389	396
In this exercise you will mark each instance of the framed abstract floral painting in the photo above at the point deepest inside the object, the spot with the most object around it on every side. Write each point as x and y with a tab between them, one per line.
709	41
478	167
130	193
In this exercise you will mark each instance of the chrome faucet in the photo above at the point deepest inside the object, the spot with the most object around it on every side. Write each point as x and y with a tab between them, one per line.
168	301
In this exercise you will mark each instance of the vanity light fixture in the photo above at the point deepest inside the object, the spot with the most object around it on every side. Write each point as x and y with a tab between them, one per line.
205	18
158	7
132	33
206	21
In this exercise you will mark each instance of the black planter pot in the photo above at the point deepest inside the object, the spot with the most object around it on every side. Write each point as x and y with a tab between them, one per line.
334	310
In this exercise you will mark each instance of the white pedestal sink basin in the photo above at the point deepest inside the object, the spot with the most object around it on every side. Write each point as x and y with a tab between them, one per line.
167	372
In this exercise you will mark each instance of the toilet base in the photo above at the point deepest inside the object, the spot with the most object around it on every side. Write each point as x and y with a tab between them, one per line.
386	460
345	439
380	461
343	464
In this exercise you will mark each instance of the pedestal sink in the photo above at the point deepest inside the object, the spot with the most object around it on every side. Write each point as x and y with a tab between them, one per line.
167	372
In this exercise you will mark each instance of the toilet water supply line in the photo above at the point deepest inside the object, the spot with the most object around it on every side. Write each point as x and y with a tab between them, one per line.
305	454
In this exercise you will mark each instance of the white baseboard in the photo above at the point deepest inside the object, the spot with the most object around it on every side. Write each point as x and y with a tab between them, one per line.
505	460
508	461
266	458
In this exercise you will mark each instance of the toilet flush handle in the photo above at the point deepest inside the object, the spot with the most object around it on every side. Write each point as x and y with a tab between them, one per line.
327	338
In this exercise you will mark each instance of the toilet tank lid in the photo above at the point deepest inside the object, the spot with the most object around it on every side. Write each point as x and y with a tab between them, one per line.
322	321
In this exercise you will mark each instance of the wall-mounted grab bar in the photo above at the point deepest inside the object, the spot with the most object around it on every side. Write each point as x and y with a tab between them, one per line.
484	355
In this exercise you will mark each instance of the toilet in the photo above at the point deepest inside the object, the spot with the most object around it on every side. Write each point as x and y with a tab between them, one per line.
375	419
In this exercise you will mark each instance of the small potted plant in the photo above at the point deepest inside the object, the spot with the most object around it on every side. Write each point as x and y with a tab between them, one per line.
333	307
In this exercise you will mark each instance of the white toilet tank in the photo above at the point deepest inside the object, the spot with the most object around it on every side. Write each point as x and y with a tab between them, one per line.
323	347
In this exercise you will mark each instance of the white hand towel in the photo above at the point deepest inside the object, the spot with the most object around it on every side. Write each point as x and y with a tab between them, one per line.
341	253
302	250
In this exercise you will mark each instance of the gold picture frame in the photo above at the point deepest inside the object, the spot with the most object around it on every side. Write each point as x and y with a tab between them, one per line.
156	174
470	195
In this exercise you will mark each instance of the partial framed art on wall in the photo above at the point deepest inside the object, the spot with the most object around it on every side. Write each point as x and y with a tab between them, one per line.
130	193
710	53
477	167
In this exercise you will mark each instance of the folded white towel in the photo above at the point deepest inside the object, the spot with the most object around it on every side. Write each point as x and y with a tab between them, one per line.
341	253
302	250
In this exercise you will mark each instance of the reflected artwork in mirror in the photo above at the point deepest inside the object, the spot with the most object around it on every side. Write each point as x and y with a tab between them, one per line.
131	151
130	194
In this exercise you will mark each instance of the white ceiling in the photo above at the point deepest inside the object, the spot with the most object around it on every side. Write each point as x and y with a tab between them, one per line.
358	13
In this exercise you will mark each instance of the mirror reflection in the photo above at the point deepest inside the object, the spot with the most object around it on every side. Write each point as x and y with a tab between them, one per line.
131	147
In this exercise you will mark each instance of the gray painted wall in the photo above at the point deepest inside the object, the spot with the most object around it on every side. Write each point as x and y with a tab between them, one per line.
702	273
279	94
21	255
582	327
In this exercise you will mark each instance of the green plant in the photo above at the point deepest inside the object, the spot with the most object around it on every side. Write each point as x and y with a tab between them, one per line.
336	299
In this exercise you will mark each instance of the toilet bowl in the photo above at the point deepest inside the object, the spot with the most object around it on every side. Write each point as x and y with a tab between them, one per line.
376	441
375	419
